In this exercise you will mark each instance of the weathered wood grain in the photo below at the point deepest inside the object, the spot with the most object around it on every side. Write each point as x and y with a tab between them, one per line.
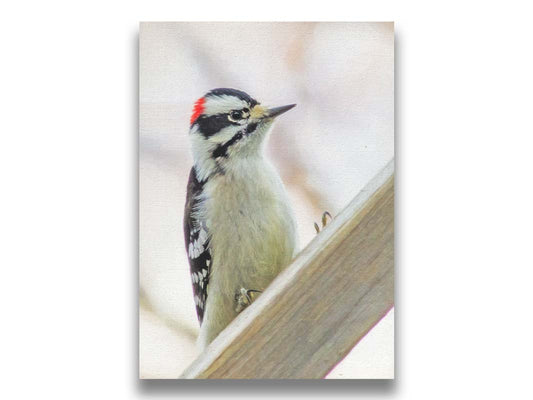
314	313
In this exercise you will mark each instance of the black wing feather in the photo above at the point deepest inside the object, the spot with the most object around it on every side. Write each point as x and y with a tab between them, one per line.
197	245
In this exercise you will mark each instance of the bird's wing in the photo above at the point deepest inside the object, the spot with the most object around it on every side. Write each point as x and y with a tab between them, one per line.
197	245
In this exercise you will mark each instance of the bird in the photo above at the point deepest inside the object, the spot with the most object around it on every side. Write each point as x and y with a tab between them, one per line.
239	226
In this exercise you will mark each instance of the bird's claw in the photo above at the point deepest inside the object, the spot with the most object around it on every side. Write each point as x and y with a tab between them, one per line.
243	298
325	216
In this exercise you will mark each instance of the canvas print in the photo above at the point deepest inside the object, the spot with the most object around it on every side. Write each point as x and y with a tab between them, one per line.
266	179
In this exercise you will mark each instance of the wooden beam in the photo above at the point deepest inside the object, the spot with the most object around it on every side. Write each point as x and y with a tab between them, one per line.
316	310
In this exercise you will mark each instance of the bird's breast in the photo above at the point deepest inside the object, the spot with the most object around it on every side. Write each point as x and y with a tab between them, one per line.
251	225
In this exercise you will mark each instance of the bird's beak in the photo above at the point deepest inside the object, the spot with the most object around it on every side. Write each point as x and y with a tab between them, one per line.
274	112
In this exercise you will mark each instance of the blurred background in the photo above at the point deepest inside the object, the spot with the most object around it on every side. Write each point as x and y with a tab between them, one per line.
338	137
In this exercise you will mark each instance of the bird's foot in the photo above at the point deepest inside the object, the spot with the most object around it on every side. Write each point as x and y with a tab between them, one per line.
324	221
243	298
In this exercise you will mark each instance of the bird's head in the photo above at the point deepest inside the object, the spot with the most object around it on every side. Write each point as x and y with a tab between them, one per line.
228	125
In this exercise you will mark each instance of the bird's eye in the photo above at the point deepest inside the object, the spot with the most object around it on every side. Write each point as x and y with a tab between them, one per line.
235	115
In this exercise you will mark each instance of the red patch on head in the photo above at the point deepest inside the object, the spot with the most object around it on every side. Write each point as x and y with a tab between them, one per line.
198	109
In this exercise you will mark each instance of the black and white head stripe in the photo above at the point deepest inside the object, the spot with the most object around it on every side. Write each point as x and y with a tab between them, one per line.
239	94
222	149
217	105
209	125
227	125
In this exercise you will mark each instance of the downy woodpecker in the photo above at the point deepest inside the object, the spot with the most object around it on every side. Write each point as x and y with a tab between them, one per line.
238	224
